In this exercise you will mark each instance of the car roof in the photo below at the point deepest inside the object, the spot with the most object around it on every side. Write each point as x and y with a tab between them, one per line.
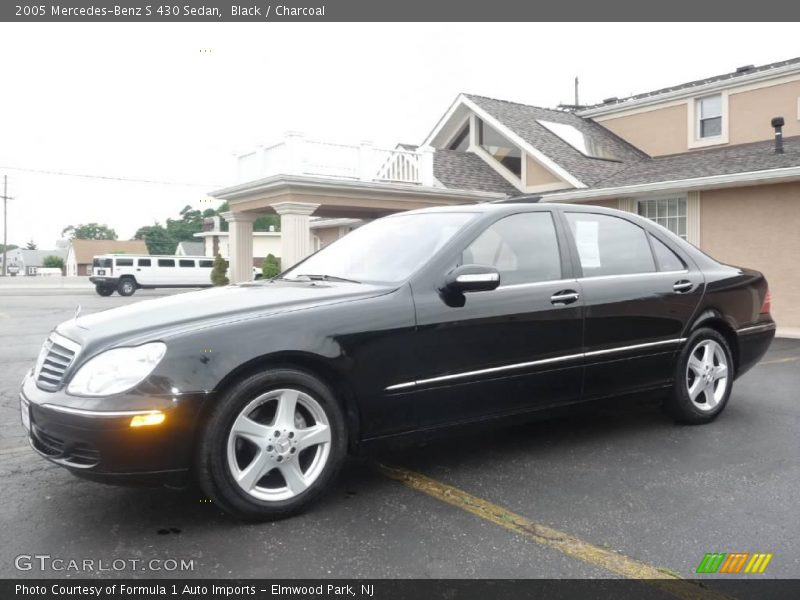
513	207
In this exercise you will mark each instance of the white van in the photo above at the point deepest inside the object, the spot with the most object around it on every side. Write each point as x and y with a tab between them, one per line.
125	273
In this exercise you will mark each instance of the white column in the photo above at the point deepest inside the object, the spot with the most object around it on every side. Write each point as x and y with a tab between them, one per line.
240	245
295	231
628	205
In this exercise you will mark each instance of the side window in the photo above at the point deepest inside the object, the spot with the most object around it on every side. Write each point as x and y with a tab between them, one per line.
143	262
124	262
166	262
206	264
186	263
666	259
609	245
523	247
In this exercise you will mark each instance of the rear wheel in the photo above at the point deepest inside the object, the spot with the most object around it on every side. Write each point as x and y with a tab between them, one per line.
703	378
126	287
104	290
272	445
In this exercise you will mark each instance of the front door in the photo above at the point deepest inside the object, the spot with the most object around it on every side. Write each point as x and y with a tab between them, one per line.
512	349
639	296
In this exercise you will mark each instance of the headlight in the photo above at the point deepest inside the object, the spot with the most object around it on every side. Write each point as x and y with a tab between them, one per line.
116	370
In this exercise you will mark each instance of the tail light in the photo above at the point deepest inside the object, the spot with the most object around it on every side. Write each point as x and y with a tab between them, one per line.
767	305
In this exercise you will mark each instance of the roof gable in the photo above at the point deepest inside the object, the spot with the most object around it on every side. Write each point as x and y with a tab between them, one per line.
85	250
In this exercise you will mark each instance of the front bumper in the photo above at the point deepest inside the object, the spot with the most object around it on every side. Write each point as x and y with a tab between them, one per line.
101	280
101	445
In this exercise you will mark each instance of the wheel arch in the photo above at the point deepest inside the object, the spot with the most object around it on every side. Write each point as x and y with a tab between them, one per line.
317	366
714	319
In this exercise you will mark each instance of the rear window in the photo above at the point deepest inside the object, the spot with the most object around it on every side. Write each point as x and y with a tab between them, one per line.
206	264
166	262
186	263
124	262
143	262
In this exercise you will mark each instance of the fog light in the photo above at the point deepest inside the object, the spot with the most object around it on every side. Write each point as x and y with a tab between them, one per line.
156	418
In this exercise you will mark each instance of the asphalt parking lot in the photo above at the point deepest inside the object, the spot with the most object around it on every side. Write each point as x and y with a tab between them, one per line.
623	480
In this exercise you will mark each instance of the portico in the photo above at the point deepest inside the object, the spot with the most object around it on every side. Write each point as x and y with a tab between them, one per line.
300	179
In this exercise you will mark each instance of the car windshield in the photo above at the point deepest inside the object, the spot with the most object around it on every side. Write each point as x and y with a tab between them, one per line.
387	250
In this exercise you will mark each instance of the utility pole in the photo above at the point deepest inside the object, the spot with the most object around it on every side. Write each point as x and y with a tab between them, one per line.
577	100
5	224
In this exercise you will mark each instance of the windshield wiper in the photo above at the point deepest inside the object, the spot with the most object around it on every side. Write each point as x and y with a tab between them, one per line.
326	278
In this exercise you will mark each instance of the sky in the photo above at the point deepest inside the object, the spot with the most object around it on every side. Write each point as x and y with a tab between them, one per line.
161	109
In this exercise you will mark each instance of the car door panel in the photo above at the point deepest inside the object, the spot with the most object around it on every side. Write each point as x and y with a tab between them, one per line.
511	349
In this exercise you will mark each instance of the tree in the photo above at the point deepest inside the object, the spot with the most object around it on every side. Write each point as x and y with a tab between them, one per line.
89	231
157	239
9	247
53	262
271	267
218	271
31	245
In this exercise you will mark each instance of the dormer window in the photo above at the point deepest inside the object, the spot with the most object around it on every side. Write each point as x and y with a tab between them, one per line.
461	141
503	151
709	117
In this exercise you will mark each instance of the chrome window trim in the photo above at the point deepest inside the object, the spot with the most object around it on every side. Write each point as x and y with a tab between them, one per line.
644	274
98	413
533	363
535	283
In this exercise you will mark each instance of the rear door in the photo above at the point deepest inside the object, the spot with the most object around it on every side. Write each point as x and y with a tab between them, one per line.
145	271
639	296
512	349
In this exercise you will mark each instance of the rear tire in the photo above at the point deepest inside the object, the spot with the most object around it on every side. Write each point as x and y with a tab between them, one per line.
126	286
272	445
104	290
703	379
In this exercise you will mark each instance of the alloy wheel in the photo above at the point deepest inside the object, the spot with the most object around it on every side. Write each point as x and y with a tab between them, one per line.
278	445
707	375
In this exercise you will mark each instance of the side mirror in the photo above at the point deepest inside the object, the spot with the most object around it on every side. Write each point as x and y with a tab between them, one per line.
472	278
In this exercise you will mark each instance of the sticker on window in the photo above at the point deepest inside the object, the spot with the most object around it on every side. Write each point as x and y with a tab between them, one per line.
588	242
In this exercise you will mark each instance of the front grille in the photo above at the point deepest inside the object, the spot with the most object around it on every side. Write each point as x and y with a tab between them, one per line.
55	358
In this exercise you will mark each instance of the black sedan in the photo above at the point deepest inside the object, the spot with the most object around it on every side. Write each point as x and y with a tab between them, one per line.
412	324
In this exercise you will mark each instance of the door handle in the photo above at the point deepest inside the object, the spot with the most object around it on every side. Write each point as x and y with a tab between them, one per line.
565	297
682	286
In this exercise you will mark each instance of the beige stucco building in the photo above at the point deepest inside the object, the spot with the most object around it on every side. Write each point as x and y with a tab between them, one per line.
704	158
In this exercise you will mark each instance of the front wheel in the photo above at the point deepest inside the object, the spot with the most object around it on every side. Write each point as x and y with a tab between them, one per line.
272	445
126	287
703	378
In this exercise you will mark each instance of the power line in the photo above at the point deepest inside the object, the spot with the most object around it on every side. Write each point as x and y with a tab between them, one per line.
110	177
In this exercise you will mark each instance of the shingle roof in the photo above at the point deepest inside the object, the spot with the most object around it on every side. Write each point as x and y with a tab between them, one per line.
85	250
523	120
467	171
192	248
741	158
691	84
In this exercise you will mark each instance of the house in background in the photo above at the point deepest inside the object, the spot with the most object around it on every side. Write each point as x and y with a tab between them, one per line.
81	252
24	262
717	161
190	249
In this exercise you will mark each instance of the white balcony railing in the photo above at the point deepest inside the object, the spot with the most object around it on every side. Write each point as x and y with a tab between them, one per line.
296	155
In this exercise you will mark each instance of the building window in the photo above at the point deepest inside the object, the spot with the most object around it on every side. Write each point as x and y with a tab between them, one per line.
667	212
506	153
709	116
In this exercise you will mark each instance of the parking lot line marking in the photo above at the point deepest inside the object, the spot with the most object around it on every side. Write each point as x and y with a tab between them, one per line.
779	360
544	535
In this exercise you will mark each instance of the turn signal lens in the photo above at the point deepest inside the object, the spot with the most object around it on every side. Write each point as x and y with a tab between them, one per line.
156	418
767	305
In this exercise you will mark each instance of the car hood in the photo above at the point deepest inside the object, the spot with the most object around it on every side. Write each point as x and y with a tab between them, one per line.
171	314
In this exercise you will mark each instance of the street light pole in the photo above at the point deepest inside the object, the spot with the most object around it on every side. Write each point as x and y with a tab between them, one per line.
5	224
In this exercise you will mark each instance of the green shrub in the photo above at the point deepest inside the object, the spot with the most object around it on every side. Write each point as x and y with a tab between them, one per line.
270	267
218	271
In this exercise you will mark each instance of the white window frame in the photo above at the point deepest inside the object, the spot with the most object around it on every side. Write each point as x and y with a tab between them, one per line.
693	124
686	213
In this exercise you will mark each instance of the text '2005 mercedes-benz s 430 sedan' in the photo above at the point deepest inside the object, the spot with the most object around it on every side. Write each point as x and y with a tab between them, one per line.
414	323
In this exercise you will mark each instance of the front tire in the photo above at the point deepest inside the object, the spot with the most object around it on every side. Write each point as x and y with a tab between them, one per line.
272	445
126	287
703	378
